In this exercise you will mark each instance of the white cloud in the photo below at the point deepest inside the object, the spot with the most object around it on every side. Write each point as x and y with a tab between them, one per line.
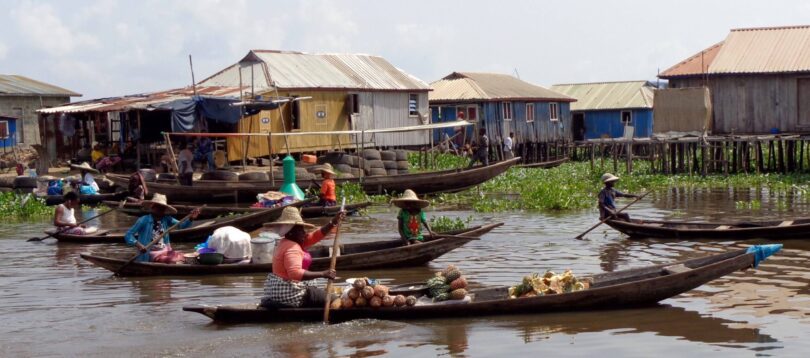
45	30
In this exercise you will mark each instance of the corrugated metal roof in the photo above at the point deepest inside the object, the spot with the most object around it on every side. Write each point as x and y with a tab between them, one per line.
764	50
140	101
608	95
14	85
698	64
297	70
472	86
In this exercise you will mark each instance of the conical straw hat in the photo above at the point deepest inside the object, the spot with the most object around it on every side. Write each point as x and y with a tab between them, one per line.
160	199
409	198
290	216
84	166
607	177
327	168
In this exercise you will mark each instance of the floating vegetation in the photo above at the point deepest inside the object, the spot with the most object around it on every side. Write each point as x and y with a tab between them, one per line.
443	223
749	205
22	206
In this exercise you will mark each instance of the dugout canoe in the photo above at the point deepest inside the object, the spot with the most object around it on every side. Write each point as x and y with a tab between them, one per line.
775	230
93	199
211	212
387	253
197	233
611	290
544	165
446	181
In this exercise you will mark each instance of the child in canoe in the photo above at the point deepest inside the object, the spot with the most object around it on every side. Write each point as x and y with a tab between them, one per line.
411	217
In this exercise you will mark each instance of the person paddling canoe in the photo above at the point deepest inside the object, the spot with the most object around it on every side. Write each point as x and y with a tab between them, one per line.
287	285
607	198
65	219
411	217
149	227
328	196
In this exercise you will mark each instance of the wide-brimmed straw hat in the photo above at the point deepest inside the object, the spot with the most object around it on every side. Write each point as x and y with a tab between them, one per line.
327	168
272	195
160	199
290	216
84	166
607	177
409	198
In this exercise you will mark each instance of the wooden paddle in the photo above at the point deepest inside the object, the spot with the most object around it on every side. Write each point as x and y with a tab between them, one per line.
120	205
579	237
332	265
446	236
156	240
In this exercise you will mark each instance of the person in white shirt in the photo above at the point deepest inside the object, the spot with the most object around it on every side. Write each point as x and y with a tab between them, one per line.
87	185
64	217
507	146
185	163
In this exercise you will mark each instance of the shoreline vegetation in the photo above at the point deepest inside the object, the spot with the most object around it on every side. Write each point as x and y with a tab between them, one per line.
15	207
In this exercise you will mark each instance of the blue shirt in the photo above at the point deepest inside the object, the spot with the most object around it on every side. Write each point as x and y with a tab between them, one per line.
141	232
607	199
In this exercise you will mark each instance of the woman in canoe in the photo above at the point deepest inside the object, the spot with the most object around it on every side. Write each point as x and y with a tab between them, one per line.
87	183
607	198
137	188
287	285
411	217
64	218
149	227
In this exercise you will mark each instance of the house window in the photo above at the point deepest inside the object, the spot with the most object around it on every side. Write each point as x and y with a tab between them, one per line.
627	118
4	130
413	105
295	113
553	113
530	112
320	114
507	110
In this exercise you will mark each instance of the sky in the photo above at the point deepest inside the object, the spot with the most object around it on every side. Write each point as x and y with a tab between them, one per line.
111	48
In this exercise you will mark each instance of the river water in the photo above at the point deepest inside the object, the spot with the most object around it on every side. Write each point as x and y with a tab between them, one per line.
53	303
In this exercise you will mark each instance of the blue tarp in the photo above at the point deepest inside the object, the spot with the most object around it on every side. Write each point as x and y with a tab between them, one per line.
761	252
186	111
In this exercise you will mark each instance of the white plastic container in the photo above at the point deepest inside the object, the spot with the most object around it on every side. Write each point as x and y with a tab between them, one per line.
263	247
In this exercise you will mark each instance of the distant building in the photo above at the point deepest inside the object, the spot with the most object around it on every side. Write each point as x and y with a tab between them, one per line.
8	132
757	78
603	109
502	104
21	97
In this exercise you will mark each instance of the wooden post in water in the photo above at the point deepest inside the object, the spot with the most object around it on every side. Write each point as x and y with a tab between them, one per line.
593	154
781	155
629	156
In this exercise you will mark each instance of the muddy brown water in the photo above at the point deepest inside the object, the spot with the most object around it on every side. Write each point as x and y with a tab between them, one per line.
52	303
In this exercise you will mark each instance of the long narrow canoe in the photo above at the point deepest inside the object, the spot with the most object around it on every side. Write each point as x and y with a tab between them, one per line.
611	290
776	230
211	212
544	165
387	253
86	199
446	181
197	233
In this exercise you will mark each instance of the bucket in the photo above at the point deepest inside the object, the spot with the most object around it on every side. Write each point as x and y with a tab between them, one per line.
263	247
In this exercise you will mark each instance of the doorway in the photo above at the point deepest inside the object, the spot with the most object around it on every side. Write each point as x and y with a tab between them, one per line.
578	126
803	102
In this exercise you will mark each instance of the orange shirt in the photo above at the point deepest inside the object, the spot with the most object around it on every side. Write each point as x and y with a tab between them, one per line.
328	190
289	256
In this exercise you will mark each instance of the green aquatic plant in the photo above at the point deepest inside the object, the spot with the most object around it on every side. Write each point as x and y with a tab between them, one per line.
22	206
444	223
353	192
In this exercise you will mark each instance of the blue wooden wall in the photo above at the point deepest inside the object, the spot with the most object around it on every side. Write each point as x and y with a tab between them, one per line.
12	138
608	124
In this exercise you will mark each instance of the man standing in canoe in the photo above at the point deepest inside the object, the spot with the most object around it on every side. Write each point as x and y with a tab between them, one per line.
149	227
287	285
607	198
481	150
64	217
411	217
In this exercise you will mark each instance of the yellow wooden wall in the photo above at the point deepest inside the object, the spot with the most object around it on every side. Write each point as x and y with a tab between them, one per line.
336	120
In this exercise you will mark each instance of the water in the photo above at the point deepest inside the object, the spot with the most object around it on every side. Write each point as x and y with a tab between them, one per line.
55	304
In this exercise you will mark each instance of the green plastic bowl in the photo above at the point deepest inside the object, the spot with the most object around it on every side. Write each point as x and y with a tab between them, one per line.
213	258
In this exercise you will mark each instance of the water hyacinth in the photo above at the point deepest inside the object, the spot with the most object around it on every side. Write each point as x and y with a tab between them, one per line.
22	206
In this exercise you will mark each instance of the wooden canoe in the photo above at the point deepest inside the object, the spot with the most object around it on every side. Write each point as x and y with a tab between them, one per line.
446	181
211	212
775	230
86	199
368	255
544	165
197	233
611	290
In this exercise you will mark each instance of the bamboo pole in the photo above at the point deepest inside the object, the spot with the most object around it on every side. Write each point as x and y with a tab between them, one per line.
174	160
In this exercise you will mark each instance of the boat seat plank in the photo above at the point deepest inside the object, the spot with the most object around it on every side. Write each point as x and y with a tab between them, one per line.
674	269
786	223
723	227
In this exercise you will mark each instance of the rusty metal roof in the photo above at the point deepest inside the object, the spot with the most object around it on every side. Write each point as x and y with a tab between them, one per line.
764	50
752	50
473	86
298	70
14	85
140	101
608	95
697	64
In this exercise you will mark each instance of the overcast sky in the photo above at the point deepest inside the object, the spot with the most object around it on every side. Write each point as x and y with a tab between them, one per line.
110	48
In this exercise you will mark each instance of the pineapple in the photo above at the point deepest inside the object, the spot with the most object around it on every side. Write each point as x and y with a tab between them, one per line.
458	294
458	283
452	275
